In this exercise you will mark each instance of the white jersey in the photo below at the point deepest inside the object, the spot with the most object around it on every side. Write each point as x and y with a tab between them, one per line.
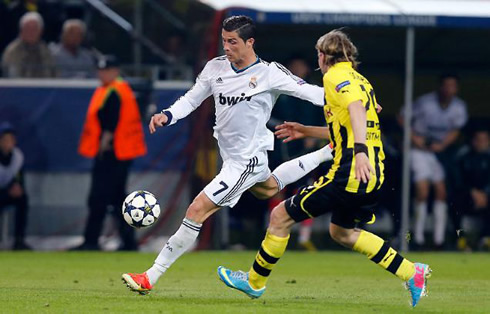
434	122
243	100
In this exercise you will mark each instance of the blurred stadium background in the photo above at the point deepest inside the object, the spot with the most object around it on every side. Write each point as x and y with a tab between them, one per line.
404	47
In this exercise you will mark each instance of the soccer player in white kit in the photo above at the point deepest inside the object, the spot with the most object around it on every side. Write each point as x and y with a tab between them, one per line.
245	89
437	119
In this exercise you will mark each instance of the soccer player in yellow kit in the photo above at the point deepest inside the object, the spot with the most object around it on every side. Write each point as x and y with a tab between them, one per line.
350	188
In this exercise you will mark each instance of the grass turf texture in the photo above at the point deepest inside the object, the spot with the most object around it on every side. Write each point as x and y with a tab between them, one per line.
332	282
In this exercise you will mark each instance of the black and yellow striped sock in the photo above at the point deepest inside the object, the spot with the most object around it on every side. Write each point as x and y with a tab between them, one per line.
382	254
272	249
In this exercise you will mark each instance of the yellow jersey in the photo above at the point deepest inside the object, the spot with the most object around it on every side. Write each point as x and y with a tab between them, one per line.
343	86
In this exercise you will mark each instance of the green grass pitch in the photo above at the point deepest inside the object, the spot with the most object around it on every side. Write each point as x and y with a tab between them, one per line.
327	282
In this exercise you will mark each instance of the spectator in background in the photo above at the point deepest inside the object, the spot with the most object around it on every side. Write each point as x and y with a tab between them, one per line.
28	56
113	135
11	12
12	191
176	48
437	119
72	60
472	195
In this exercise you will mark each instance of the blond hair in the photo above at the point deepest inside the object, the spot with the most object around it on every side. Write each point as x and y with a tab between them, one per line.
337	47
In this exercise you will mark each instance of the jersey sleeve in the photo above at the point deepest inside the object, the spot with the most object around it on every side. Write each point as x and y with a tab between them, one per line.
194	96
284	82
342	88
460	119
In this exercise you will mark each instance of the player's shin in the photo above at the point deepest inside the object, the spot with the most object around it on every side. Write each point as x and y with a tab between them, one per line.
177	245
385	256
294	169
272	249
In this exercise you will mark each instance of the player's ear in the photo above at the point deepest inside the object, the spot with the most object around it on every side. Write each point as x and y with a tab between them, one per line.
250	42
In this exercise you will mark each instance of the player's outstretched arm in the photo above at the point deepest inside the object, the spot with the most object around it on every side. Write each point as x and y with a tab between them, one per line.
289	131
158	120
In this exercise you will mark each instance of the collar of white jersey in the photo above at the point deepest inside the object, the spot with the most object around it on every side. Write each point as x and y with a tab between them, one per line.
245	68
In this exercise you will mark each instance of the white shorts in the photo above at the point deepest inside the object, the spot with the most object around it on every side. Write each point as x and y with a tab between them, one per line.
426	166
237	177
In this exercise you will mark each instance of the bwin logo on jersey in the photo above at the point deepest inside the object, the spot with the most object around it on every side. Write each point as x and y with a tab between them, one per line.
232	100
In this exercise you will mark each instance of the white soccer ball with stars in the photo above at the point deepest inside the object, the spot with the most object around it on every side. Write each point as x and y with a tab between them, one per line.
141	209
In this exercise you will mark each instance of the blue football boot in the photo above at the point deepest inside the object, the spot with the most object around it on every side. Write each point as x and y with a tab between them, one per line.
417	285
239	280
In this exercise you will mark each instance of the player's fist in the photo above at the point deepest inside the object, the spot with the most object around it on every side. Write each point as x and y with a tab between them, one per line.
157	121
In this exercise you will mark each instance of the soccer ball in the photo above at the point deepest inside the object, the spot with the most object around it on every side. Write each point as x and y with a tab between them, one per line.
141	209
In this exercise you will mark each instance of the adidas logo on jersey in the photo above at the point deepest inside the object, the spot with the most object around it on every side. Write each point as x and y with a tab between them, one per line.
219	80
232	100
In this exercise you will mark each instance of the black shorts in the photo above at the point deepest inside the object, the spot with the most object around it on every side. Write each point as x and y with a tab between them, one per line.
349	210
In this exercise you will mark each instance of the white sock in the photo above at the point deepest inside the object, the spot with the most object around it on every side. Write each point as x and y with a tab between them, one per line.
177	245
420	216
304	233
294	169
440	220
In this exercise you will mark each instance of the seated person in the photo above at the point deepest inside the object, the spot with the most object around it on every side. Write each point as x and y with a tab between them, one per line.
12	191
28	56
72	60
473	193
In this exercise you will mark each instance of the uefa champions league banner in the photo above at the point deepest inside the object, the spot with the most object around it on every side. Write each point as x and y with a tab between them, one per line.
49	120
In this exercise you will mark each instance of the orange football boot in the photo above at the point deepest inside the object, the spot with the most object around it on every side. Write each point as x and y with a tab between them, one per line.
137	282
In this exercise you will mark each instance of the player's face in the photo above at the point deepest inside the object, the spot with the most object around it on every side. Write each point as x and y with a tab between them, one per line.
481	141
321	62
299	67
448	88
31	32
7	143
106	76
236	50
73	36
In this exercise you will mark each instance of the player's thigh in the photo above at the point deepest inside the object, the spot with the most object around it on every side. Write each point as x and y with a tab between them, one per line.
313	201
355	210
235	178
438	173
265	189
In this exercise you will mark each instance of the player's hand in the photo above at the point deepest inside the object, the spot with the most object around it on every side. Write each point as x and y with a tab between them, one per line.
105	143
363	168
479	198
437	147
157	121
16	190
378	108
289	131
419	141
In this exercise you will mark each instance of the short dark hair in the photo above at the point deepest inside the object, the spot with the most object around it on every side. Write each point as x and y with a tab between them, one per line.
243	25
445	76
478	127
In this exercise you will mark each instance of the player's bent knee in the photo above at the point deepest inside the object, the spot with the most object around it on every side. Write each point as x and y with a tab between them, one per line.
266	193
279	218
265	190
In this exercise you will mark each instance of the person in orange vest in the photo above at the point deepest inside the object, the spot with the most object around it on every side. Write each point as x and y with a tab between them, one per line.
113	136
